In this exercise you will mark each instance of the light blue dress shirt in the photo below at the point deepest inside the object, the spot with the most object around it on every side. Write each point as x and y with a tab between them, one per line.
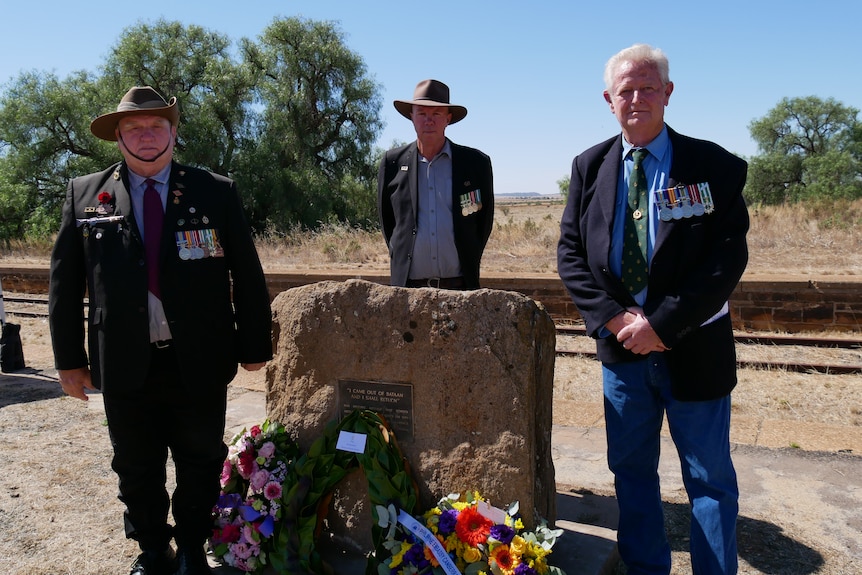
434	252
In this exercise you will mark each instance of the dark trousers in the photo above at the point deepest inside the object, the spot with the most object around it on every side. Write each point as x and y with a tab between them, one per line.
144	425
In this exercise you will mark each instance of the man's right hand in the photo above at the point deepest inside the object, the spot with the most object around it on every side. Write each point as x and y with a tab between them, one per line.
75	381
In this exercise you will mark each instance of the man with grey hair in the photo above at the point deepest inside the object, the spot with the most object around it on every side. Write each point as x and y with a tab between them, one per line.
652	245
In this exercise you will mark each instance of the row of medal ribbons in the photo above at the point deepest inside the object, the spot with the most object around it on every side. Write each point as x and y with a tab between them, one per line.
684	201
198	244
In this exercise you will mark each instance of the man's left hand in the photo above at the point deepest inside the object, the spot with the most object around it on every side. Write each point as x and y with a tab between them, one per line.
639	337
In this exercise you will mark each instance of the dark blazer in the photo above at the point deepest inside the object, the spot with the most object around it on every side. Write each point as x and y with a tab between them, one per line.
696	263
217	307
398	208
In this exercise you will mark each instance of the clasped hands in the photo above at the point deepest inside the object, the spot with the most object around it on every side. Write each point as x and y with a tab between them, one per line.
633	330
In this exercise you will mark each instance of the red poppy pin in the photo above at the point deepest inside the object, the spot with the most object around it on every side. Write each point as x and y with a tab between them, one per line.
106	207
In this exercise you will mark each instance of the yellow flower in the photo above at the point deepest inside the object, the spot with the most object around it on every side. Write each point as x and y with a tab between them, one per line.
471	555
399	557
518	545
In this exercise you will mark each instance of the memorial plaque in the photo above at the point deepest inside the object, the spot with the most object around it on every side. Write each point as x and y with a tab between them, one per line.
394	401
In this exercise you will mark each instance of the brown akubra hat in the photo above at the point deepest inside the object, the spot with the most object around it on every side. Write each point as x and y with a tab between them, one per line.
430	93
138	101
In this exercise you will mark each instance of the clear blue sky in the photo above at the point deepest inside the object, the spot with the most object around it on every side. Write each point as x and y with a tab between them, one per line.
529	71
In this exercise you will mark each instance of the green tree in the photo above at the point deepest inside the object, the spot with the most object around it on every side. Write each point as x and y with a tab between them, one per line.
810	151
563	183
313	160
45	139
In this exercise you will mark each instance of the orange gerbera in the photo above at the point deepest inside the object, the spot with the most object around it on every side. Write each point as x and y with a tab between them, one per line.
472	527
503	558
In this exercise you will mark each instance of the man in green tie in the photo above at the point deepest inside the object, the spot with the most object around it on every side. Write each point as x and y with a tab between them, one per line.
654	293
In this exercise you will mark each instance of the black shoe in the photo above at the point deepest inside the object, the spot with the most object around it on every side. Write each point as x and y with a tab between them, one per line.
192	561
155	563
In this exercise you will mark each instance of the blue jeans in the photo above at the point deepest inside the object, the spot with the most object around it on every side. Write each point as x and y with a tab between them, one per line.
637	396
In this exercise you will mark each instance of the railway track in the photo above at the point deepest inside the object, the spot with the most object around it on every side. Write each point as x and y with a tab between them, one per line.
572	340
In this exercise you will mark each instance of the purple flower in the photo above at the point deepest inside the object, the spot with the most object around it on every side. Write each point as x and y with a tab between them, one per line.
229	501
249	513
502	533
446	523
267	526
416	556
524	569
266	450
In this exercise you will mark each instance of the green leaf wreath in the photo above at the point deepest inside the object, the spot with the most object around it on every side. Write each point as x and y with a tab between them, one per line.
315	474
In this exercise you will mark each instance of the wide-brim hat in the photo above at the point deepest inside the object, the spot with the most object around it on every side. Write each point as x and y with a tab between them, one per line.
138	101
430	93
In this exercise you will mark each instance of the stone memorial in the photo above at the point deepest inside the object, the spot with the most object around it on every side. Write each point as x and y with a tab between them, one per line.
465	380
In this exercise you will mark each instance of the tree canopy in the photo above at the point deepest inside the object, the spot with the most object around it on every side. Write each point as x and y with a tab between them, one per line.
291	116
810	150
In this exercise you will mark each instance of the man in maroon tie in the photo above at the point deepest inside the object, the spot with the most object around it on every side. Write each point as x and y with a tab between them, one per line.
177	298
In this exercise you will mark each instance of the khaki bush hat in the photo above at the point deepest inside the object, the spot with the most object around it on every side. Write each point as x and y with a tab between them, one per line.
138	101
430	93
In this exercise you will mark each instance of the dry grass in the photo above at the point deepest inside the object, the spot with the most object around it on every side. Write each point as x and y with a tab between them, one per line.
824	240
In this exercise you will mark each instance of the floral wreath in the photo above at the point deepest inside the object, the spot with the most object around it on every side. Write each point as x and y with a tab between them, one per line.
315	474
251	501
465	534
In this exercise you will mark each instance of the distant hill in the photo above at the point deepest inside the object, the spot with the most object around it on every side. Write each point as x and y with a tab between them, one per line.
527	196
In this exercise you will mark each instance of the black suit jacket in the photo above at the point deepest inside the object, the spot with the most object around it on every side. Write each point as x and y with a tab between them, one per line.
217	307
696	264
398	208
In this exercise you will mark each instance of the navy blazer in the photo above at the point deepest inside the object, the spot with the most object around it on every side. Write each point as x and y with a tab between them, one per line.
217	307
696	263
398	208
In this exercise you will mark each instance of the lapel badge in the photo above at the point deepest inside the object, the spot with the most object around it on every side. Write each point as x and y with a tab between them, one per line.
117	173
205	220
403	168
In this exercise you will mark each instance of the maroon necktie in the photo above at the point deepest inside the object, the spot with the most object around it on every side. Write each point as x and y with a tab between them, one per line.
154	216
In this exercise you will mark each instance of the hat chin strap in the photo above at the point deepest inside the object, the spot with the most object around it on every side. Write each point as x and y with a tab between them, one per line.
137	157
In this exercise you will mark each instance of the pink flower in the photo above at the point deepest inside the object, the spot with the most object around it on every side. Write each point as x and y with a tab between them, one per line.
255	431
266	450
272	490
258	479
241	551
226	472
